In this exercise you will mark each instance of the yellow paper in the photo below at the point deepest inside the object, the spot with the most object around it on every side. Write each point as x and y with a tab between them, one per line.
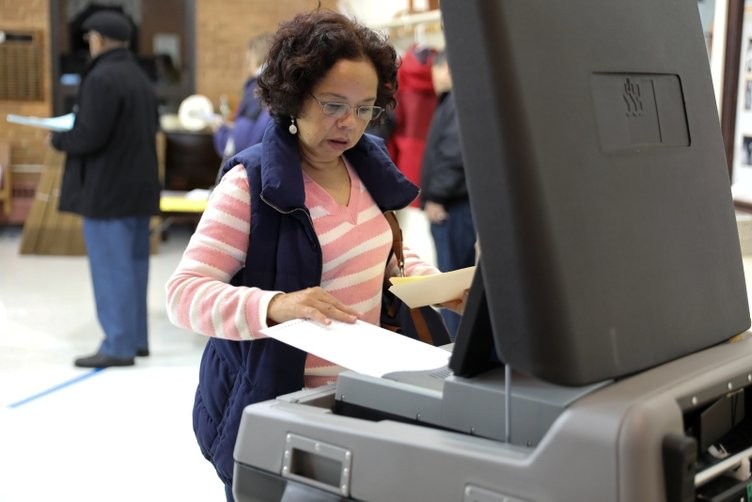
433	289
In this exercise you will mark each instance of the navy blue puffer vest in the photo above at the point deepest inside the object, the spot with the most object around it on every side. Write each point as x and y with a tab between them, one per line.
284	256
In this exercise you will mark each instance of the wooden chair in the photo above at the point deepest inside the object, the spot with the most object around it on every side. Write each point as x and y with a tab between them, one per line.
6	185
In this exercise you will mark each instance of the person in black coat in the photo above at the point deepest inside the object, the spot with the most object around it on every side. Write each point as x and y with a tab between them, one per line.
111	178
444	194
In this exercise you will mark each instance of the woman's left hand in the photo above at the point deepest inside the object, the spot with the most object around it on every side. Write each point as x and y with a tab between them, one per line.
457	305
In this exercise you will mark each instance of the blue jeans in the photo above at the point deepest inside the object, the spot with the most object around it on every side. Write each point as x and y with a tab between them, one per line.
118	252
455	248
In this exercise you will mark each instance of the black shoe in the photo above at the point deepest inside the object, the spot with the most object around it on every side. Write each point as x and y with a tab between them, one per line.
102	361
143	352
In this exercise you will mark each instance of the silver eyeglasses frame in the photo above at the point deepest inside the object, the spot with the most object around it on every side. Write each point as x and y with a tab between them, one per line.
338	109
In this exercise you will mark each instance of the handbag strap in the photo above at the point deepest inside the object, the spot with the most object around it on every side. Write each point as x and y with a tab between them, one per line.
422	329
391	218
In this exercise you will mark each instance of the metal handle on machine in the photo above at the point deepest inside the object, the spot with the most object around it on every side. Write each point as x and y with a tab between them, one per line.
721	467
317	463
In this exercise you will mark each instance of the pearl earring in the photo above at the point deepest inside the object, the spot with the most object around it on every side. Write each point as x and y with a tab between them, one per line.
293	128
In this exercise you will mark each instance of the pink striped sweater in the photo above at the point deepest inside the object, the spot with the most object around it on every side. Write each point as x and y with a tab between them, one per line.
355	241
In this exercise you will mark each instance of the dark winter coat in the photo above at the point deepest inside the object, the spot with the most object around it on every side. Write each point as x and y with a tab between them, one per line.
443	172
111	163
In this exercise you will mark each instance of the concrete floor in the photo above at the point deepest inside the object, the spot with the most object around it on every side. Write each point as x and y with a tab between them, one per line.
120	434
83	435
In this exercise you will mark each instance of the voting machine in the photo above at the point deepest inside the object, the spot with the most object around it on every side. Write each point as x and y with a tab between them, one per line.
603	353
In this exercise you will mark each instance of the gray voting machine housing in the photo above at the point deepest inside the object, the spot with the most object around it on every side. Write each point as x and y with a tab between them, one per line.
603	353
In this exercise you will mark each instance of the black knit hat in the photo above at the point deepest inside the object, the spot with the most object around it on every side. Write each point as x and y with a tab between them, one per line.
110	24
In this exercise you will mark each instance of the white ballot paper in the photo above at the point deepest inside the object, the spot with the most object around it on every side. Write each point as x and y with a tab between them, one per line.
419	290
360	347
61	123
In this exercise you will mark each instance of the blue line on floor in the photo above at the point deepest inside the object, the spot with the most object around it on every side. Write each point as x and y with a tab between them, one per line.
67	383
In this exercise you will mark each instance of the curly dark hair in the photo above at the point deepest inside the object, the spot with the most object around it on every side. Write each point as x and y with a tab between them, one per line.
306	47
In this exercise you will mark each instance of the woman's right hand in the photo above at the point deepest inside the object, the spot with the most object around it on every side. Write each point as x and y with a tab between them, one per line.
435	212
311	303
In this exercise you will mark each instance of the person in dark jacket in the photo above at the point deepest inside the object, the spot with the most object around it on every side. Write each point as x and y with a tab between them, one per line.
295	228
111	178
444	194
251	117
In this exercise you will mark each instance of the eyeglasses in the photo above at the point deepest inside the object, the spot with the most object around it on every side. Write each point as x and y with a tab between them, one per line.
338	110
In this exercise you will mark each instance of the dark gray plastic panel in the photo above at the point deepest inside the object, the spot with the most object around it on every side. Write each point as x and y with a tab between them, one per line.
598	183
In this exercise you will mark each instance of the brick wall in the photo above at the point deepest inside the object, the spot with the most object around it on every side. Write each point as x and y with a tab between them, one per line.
222	31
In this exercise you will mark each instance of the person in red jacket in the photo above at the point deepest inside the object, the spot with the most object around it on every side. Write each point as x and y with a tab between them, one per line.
416	101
